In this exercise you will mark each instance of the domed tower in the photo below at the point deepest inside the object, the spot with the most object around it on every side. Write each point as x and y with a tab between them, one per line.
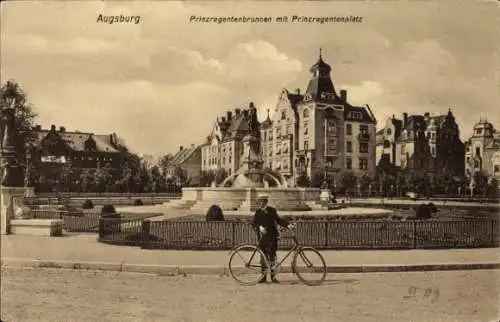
321	82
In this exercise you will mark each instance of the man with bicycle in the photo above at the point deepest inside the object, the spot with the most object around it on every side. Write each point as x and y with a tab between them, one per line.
265	222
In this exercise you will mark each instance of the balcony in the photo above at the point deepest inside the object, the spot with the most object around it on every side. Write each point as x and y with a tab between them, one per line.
363	137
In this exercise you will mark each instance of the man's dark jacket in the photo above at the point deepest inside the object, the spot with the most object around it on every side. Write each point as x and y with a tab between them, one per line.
268	218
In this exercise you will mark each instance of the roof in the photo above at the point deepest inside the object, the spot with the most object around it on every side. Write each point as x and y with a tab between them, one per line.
235	128
415	122
351	113
76	140
320	64
182	155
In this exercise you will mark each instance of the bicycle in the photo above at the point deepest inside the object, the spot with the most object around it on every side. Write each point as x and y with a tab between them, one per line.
298	251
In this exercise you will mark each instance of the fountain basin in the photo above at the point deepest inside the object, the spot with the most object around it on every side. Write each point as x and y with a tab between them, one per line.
245	199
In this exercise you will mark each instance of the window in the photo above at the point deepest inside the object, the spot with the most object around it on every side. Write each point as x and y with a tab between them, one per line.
285	148
403	148
363	164
428	135
348	129
278	132
496	168
306	128
433	150
306	145
285	163
283	115
348	163
331	127
305	114
270	136
229	171
264	135
478	150
349	147
389	131
363	129
363	147
229	159
479	131
278	149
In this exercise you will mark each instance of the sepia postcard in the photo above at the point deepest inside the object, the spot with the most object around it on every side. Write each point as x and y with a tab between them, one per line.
240	161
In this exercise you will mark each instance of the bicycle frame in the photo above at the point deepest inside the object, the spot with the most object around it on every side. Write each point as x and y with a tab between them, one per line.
295	248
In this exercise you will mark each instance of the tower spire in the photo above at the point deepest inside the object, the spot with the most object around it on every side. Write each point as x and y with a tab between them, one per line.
320	52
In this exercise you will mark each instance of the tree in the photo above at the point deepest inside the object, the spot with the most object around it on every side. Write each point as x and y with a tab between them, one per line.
317	179
11	95
303	181
165	162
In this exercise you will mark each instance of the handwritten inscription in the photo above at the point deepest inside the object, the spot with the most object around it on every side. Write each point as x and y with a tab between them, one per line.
415	292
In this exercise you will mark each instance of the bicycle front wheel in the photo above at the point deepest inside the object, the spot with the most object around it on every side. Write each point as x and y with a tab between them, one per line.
309	266
247	265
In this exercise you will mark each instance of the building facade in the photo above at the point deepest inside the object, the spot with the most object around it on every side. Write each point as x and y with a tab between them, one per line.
422	142
386	140
482	151
58	157
319	133
223	148
188	159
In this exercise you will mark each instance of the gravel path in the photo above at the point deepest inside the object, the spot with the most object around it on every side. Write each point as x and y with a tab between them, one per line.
65	295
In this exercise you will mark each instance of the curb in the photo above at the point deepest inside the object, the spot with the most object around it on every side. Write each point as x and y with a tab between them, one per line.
172	270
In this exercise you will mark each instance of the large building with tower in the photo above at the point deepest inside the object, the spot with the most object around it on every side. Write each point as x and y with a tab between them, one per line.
318	132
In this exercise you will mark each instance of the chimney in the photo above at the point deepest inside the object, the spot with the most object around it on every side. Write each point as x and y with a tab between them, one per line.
426	115
181	148
237	111
223	120
38	127
245	113
297	91
405	119
229	116
192	145
52	128
343	95
62	129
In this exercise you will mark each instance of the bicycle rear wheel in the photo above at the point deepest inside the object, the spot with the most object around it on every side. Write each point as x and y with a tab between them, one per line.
309	266
245	265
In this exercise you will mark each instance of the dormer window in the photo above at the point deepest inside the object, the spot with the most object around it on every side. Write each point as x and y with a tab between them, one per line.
283	115
305	114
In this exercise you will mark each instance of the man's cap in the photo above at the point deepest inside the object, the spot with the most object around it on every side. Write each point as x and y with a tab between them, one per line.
262	196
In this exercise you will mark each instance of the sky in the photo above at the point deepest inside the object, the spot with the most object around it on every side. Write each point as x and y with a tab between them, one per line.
161	83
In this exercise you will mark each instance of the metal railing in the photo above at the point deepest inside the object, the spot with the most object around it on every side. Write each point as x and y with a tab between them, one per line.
382	234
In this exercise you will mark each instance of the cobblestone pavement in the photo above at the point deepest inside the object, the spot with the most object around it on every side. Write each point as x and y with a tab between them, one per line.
66	295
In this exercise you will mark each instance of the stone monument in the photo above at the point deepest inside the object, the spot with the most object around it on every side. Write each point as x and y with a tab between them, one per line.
11	178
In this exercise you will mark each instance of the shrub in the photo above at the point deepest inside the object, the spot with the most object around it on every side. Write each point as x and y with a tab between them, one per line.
88	204
423	211
138	202
108	209
215	213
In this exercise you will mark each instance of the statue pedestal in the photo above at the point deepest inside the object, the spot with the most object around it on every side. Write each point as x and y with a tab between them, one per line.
8	197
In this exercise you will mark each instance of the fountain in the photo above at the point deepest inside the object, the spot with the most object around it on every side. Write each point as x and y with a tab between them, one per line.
249	181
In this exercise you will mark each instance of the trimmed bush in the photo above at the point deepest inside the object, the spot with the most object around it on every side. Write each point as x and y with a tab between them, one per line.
88	204
215	213
108	209
138	202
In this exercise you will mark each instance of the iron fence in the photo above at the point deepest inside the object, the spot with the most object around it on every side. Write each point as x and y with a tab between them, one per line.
383	234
